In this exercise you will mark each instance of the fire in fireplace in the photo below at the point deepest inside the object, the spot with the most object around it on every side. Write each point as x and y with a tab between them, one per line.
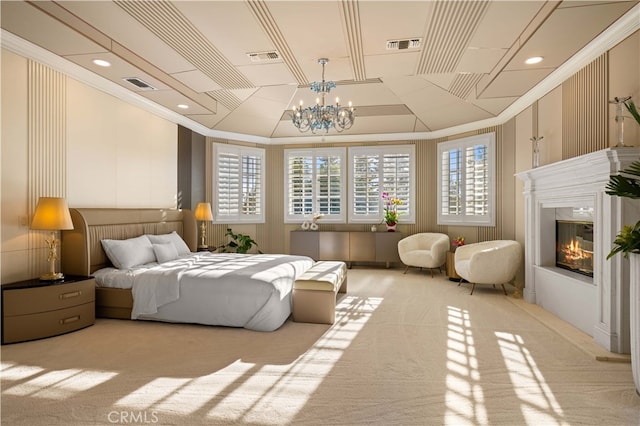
574	246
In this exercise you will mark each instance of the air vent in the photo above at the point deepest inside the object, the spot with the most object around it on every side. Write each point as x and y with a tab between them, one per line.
264	56
410	43
139	83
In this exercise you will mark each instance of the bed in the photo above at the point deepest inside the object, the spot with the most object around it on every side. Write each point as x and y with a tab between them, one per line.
226	289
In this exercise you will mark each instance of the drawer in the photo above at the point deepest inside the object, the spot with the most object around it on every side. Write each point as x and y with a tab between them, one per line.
48	298
46	324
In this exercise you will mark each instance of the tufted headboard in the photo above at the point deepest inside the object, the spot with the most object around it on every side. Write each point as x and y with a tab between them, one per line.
82	252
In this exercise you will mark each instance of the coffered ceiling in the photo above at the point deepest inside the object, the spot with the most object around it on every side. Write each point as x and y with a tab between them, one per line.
409	67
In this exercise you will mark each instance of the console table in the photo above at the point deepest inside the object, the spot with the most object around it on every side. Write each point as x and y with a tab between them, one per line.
347	246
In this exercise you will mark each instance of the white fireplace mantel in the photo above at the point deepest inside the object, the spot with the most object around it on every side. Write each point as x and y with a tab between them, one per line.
599	306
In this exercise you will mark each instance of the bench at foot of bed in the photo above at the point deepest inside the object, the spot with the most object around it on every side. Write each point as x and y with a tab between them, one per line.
315	291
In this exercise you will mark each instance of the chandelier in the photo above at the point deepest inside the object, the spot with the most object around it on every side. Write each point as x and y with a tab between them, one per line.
321	116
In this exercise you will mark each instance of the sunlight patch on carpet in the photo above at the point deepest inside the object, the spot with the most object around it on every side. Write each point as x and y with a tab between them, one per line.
538	401
15	372
244	391
55	384
464	397
289	390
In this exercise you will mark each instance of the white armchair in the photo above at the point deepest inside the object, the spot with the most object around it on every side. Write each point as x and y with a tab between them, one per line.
424	250
488	262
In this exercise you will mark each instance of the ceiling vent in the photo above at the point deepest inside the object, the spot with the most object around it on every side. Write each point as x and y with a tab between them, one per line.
139	83
269	56
410	43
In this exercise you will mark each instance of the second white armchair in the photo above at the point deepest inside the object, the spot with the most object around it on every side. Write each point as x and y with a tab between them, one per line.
489	262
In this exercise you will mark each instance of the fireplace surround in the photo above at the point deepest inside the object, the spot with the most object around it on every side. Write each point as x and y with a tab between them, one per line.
573	190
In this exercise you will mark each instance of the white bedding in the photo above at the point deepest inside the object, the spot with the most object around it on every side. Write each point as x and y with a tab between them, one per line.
228	289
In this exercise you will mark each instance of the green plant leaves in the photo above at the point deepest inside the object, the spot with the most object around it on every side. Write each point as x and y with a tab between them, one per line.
627	185
631	107
627	241
238	243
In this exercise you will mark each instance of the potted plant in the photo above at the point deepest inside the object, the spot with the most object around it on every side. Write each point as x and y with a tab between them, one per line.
238	243
391	211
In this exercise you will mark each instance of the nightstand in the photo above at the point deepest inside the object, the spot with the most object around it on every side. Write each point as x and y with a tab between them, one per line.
211	249
34	309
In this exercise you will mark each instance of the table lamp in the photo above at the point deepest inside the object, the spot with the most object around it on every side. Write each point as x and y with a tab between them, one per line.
203	214
52	214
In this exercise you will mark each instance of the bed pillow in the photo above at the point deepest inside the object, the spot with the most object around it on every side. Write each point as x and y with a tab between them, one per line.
165	252
125	254
181	247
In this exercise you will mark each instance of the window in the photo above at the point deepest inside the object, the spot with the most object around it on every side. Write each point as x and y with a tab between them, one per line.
315	183
238	176
466	181
375	170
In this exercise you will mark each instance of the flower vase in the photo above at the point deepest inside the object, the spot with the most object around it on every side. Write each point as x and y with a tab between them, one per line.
391	227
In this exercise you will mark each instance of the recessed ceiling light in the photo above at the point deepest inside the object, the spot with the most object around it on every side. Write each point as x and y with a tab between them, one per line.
533	60
183	106
101	63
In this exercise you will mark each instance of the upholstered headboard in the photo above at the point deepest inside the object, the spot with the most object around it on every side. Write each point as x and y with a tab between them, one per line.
82	252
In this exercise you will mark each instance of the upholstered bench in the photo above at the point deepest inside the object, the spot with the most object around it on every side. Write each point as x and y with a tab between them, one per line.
315	291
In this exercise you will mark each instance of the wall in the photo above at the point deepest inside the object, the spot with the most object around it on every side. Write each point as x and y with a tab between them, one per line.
63	138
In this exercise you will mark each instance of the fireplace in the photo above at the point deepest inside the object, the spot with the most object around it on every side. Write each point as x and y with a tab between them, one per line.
574	246
567	271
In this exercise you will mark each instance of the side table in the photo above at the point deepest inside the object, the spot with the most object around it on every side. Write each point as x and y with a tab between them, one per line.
451	267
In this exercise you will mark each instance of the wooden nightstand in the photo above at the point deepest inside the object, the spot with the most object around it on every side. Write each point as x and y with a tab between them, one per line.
34	309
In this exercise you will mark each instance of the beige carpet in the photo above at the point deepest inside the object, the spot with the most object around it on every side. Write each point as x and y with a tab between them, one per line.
406	350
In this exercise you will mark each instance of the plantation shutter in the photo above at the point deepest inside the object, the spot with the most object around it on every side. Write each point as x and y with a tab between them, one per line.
397	180
315	184
238	184
477	181
366	185
251	185
375	170
466	181
451	187
228	184
300	168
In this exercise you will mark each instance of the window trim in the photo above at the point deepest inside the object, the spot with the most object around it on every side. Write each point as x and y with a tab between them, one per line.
241	151
315	152
409	149
488	139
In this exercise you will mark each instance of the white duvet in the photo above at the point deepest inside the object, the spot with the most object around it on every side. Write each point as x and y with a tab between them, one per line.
237	290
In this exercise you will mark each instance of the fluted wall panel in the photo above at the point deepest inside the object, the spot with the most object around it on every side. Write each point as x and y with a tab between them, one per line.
47	154
271	233
585	109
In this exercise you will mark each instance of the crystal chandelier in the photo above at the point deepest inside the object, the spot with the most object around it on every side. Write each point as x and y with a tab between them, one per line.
321	116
